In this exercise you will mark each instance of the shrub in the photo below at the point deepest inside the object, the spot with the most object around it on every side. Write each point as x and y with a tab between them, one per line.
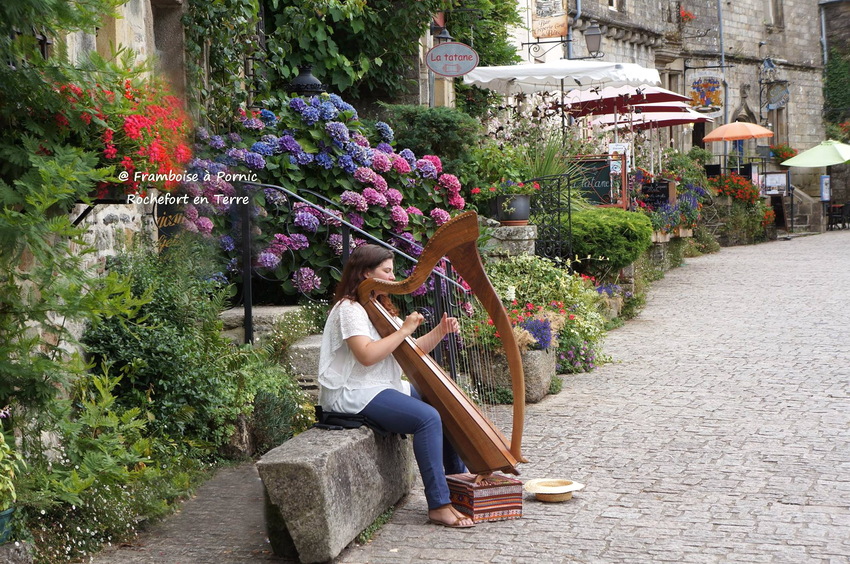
615	236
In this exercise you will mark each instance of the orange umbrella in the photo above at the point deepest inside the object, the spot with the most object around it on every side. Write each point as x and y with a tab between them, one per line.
736	131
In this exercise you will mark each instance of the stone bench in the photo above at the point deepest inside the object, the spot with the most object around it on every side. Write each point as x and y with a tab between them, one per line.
324	487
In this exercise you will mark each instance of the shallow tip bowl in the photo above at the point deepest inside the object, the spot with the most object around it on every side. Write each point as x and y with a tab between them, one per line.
551	489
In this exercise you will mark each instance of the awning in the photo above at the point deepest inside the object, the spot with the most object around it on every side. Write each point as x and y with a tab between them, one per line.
564	74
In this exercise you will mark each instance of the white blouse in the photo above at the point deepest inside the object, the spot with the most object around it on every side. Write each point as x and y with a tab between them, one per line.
345	385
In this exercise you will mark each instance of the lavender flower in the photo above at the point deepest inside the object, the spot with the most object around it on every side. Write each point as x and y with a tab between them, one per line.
306	280
541	330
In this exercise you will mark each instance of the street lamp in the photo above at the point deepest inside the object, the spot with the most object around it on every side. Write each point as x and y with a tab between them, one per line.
593	40
441	34
305	84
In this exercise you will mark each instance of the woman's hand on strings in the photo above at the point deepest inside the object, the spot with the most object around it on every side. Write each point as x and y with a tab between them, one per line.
411	323
449	325
431	339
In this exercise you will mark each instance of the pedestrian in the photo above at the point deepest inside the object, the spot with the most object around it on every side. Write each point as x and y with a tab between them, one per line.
359	375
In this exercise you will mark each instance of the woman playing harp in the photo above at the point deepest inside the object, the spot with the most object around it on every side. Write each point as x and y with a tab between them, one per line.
358	374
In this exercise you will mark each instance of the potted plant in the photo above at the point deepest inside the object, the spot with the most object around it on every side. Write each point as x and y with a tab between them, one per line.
782	152
10	462
510	201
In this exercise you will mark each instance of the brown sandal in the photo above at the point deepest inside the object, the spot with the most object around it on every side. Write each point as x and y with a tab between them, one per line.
453	525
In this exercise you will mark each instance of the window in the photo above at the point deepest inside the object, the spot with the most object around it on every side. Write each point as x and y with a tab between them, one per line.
615	5
774	13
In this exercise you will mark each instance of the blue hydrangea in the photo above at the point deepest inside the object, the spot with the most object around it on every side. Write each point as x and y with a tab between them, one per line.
289	144
361	155
342	105
310	115
337	131
328	111
268	117
301	158
298	104
262	148
346	163
385	131
325	160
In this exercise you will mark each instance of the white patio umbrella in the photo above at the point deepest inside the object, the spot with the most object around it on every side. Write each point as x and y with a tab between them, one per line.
560	75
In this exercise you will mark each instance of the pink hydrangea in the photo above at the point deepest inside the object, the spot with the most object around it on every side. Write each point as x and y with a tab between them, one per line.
413	210
401	166
438	164
393	196
189	225
399	216
365	175
450	183
374	198
440	216
360	139
191	212
457	202
204	225
380	183
381	162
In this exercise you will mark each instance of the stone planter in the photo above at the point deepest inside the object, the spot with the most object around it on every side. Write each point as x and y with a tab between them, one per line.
660	237
684	232
538	366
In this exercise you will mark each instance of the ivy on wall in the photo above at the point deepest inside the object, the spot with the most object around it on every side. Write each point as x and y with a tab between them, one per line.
220	36
837	87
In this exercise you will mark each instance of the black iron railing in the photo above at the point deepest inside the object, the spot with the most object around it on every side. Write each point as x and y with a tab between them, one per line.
551	212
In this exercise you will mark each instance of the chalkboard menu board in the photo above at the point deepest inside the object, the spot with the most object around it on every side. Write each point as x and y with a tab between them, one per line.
655	194
595	180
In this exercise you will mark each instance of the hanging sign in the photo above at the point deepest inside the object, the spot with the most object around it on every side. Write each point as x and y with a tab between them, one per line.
548	18
706	92
451	59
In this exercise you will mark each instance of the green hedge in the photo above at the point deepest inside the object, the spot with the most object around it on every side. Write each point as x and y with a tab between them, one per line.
608	239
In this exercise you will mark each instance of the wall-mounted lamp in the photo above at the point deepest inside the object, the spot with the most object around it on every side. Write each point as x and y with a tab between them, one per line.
440	33
593	40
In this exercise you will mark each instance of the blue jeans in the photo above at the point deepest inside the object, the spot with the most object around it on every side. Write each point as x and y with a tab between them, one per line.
399	413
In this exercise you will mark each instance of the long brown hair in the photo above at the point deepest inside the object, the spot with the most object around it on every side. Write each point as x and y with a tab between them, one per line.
362	260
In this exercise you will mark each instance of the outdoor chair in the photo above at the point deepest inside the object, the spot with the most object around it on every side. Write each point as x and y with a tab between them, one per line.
837	217
845	215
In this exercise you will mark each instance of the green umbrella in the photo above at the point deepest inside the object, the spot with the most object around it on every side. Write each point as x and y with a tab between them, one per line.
826	154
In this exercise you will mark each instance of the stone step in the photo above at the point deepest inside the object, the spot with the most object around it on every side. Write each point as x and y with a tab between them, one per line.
264	319
304	360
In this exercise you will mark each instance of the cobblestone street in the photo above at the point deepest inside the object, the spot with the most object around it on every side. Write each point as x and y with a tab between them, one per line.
719	433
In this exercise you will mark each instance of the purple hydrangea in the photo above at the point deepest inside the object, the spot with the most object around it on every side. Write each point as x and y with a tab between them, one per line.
298	104
337	131
217	142
234	137
306	221
202	133
255	160
204	225
237	154
289	144
302	158
191	212
306	280
355	200
280	244
253	123
361	155
298	242
426	169
375	198
342	105
227	243
275	197
335	243
408	155
356	219
413	210
310	115
267	259
385	148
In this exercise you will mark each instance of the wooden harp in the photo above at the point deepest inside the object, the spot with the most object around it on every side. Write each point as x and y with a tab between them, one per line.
479	443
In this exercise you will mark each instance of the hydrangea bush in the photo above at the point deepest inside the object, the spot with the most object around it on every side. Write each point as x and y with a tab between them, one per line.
316	147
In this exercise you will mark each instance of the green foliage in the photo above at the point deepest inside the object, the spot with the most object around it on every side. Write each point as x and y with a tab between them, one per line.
556	385
742	223
366	535
837	87
686	168
11	464
608	239
220	36
190	380
435	131
363	49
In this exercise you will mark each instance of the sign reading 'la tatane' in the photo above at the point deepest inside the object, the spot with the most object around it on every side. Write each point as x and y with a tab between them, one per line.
451	59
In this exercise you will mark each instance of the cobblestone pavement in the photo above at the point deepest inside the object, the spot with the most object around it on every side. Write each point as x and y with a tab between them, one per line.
720	433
